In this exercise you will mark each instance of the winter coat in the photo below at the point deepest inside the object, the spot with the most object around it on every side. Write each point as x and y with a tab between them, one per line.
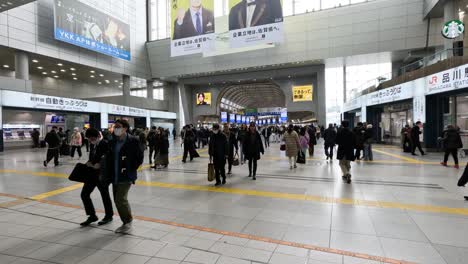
330	136
359	137
130	156
232	144
346	141
415	132
292	143
312	131
369	136
52	139
218	149
252	146
452	139
304	141
161	144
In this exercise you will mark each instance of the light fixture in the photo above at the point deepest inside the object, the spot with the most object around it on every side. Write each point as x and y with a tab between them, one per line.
99	82
107	81
56	76
72	69
35	61
40	68
44	73
92	76
73	74
92	71
63	70
53	71
59	64
102	75
74	78
116	81
6	66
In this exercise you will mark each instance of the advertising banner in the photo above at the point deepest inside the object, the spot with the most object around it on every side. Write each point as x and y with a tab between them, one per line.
232	118
204	99
449	80
303	93
254	22
82	25
284	115
224	117
193	27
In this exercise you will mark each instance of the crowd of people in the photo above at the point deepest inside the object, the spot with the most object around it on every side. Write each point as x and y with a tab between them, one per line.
115	155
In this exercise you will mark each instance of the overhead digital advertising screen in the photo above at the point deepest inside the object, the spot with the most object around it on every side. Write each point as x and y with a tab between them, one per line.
204	99
253	22
193	26
224	117
84	26
303	93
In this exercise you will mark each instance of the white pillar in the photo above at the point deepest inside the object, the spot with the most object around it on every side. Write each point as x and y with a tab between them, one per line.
21	65
364	113
126	85
104	120
149	89
148	119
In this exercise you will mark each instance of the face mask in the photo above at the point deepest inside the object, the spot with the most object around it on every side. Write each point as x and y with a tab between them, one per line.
118	131
216	131
94	142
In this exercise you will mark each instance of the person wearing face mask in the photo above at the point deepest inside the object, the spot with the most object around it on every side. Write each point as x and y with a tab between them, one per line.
218	150
252	148
232	144
76	142
124	158
99	179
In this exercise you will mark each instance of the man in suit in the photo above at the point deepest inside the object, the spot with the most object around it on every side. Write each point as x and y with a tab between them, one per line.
195	21
252	13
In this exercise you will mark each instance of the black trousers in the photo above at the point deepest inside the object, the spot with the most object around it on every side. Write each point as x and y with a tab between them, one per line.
53	154
417	145
187	151
267	141
358	153
220	172
329	150
78	149
86	143
454	153
88	188
253	166
230	162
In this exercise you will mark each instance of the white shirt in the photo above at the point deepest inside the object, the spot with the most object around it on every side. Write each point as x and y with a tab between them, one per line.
194	18
250	12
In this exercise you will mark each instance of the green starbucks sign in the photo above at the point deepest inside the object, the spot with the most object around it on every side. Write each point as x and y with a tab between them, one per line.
453	29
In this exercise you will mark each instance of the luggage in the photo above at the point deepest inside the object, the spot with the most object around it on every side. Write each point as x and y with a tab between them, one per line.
283	146
301	158
65	150
81	173
236	162
211	172
407	147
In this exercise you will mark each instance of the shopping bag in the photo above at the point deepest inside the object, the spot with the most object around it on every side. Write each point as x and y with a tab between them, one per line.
301	158
211	172
236	162
81	173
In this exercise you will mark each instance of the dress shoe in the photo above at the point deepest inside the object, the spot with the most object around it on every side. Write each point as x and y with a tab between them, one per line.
89	221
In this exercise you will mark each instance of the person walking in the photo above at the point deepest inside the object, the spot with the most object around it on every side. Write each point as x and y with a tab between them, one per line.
85	139
98	150
124	159
304	142
218	150
291	140
241	135
162	150
151	138
35	138
359	134
415	141
406	139
76	142
54	142
346	141
452	142
252	148
329	135
174	133
368	140
312	131
189	143
232	144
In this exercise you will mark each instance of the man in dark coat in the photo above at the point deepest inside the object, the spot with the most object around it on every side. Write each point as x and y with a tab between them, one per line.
452	142
312	131
195	21
35	137
359	132
415	142
189	143
329	135
218	150
252	13
54	142
99	150
252	147
346	141
151	138
232	145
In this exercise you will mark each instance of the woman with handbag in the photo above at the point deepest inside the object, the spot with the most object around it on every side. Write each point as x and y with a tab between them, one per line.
232	144
292	146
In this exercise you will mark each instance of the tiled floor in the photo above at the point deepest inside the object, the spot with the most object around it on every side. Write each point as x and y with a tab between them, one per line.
395	208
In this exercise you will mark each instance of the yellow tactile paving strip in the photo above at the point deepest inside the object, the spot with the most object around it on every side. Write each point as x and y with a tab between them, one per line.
226	233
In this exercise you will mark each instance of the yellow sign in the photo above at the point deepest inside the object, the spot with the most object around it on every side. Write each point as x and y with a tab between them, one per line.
204	99
303	93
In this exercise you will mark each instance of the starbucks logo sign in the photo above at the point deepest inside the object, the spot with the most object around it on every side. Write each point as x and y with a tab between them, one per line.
453	29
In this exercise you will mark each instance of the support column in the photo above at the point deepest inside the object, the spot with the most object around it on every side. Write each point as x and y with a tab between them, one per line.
149	89
21	65
104	120
450	13
126	85
185	104
1	130
321	97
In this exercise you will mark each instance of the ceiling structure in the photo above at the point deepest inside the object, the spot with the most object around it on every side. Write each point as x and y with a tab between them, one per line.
6	5
255	95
